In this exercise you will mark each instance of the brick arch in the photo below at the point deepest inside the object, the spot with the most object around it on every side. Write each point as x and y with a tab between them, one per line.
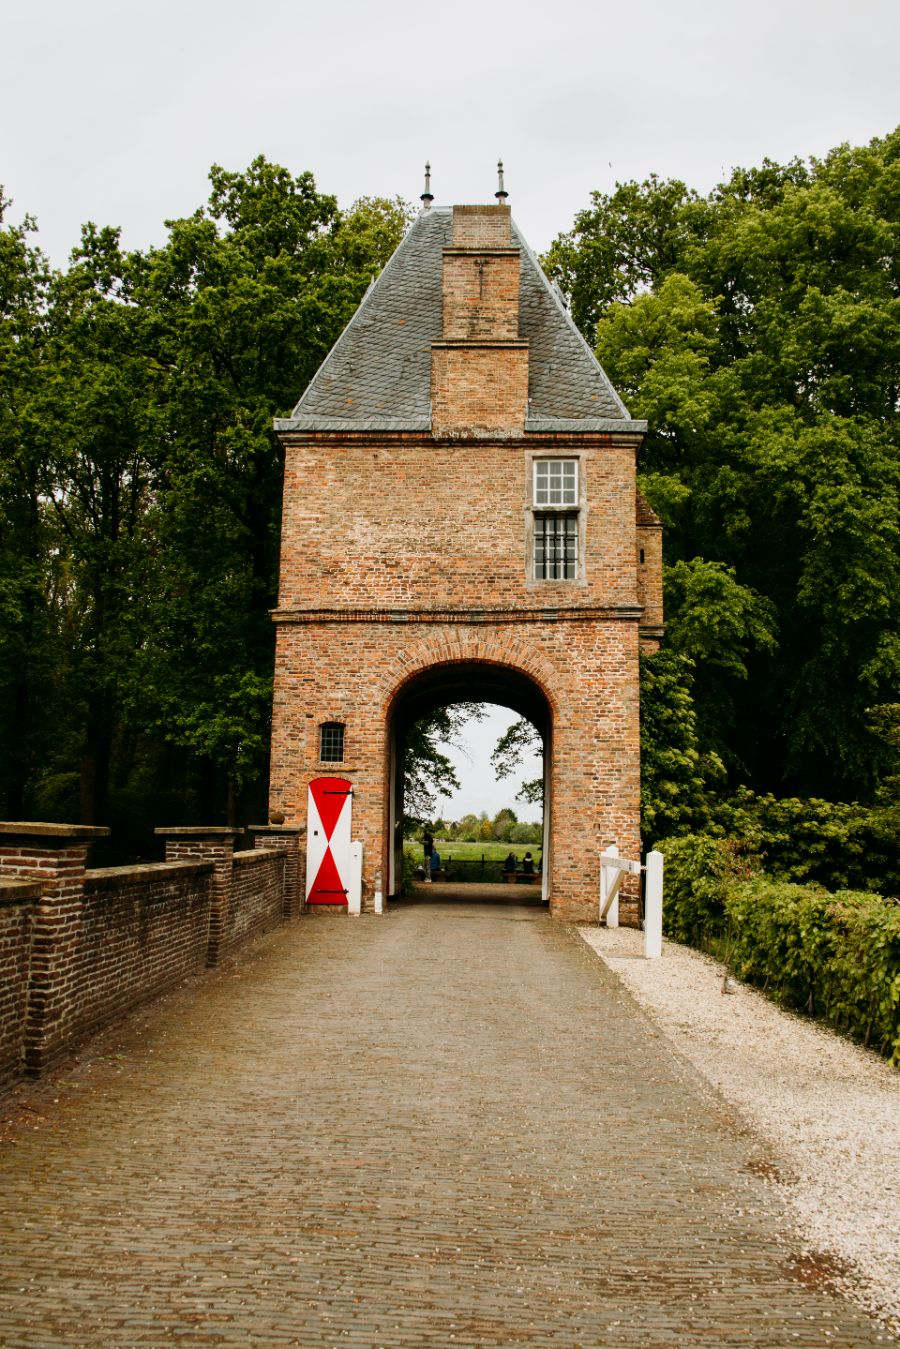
452	654
450	648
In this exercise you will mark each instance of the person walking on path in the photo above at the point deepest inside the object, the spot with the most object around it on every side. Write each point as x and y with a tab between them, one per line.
428	849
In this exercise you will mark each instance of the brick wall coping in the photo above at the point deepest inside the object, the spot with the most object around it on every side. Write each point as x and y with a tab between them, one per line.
109	878
19	892
601	433
30	829
482	251
478	343
199	831
251	856
277	828
617	613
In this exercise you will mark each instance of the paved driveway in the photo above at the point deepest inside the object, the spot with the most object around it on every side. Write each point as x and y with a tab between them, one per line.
445	1126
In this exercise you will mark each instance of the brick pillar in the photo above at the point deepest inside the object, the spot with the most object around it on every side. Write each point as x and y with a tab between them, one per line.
207	844
54	856
290	839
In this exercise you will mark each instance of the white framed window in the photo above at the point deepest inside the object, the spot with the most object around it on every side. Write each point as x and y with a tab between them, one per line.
555	482
556	520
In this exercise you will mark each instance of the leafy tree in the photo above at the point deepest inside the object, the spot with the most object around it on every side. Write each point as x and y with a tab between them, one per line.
29	576
503	823
140	487
427	772
521	739
757	330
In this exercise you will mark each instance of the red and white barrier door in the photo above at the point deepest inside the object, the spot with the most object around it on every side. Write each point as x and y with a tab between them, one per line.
328	841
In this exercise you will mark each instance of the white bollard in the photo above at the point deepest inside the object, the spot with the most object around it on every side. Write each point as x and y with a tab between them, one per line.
354	891
653	902
608	876
379	896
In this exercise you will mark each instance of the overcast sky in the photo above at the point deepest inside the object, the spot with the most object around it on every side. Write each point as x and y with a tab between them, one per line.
479	788
113	111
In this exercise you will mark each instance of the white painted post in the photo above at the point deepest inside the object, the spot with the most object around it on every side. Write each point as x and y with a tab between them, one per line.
354	890
608	876
379	897
653	902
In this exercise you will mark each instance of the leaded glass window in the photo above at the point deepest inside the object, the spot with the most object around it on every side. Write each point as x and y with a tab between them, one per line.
555	546
331	742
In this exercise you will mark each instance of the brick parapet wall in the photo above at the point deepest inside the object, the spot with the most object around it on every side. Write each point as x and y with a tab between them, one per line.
55	857
214	845
18	907
257	895
291	842
143	929
80	947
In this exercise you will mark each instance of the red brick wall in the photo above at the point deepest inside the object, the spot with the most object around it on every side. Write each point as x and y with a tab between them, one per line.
79	948
18	902
355	672
481	226
481	294
142	930
479	389
257	895
409	521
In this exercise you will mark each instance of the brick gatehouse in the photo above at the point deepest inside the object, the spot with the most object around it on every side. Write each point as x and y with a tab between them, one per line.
461	521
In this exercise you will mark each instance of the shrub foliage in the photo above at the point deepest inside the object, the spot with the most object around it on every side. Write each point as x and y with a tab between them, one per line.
832	955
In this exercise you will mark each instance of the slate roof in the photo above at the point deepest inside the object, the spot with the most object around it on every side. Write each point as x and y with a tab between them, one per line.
377	376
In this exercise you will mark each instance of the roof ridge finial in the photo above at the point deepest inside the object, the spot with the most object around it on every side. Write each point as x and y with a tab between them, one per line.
427	196
501	194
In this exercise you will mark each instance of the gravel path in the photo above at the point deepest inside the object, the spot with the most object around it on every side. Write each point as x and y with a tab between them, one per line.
827	1111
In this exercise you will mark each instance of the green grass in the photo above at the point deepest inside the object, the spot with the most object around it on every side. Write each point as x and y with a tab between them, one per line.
473	852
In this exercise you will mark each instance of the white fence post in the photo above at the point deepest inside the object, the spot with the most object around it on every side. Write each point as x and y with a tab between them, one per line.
608	878
379	894
653	903
354	891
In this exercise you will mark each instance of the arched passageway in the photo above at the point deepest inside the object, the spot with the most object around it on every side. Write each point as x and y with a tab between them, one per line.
473	682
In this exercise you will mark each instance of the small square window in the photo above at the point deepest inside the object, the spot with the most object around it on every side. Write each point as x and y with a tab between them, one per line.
331	742
556	482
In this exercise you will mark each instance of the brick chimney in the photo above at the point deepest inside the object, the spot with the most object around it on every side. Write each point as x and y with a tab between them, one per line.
479	368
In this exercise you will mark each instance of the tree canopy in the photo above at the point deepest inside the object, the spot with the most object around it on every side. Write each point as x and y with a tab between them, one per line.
758	330
140	487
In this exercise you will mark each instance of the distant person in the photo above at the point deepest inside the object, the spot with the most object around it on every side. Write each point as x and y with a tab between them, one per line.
528	865
428	849
510	865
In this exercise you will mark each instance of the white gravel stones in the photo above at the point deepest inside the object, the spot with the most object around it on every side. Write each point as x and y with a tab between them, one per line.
827	1110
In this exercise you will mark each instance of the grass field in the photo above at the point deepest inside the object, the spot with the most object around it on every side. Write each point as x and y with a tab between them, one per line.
473	852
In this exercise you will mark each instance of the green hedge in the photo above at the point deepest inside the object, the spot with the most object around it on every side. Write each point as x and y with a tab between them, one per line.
836	956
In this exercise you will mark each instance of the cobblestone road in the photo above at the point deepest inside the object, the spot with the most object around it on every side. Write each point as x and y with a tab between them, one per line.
446	1126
